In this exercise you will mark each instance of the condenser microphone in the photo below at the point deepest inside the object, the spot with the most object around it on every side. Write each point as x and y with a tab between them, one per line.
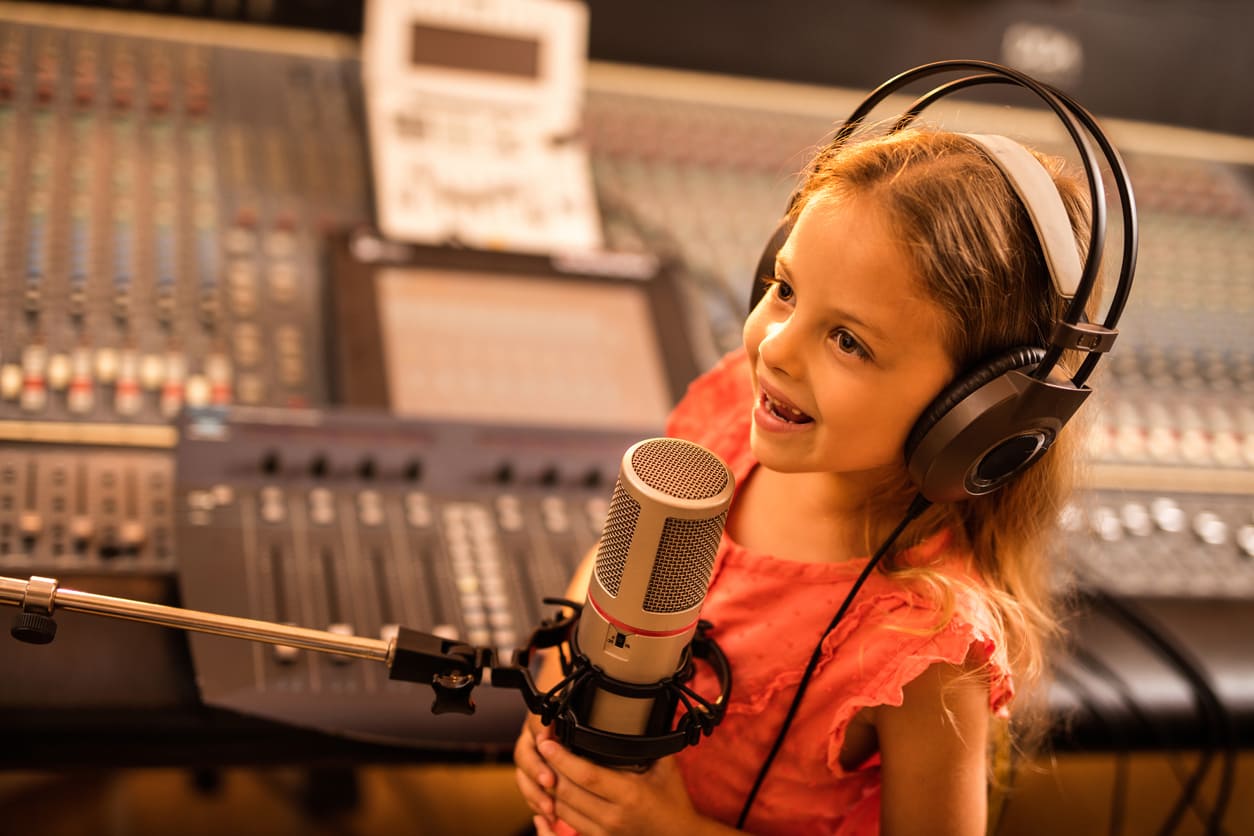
651	576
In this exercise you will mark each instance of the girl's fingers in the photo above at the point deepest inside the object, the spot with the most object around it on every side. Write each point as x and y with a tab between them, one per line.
583	788
537	798
528	759
535	779
599	780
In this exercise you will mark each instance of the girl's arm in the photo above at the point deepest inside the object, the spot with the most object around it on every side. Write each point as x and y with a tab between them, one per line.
933	750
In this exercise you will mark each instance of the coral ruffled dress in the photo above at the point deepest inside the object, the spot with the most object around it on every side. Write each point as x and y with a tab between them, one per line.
768	613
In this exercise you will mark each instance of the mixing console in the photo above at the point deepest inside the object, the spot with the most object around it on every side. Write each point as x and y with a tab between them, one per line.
165	189
359	524
160	220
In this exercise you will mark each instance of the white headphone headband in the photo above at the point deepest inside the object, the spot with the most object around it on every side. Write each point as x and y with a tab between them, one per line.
1035	188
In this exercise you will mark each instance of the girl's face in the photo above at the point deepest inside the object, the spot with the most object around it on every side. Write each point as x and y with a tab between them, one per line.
845	352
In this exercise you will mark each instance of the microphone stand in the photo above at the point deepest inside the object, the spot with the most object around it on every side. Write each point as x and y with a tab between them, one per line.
450	667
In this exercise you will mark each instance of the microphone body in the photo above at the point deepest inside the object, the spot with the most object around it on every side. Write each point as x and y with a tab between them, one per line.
651	576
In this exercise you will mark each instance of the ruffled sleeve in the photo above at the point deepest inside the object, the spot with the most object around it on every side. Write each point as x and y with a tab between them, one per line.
894	638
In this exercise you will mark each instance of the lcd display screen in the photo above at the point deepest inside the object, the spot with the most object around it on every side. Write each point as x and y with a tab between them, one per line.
460	49
535	350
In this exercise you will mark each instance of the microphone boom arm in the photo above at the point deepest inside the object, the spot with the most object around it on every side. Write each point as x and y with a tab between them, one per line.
451	668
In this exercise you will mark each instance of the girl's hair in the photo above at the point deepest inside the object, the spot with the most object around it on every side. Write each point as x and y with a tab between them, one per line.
976	254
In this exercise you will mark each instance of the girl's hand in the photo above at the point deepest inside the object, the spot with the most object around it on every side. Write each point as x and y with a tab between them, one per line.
599	801
534	777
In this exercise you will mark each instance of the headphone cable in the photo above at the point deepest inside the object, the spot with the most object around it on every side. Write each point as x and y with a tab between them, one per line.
917	506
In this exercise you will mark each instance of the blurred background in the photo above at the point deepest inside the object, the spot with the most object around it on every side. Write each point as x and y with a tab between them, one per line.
342	314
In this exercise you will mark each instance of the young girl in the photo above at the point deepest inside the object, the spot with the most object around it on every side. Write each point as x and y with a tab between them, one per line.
910	259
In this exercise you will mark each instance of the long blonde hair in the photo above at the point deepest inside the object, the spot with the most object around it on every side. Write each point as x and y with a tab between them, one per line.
976	255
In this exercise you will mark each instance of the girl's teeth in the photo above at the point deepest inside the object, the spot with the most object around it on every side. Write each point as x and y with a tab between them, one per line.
782	409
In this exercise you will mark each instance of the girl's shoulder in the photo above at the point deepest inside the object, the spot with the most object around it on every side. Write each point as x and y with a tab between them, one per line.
936	609
898	624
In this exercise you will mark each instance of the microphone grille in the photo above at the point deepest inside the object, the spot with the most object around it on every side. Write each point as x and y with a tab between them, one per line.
679	468
620	525
685	559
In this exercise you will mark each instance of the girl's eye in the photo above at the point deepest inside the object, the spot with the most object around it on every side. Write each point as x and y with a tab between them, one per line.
847	343
782	289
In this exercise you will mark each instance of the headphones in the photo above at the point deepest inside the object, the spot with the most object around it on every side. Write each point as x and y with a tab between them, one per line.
997	418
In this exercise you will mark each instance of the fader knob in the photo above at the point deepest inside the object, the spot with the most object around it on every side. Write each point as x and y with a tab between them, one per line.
30	524
82	529
60	372
80	397
10	381
132	535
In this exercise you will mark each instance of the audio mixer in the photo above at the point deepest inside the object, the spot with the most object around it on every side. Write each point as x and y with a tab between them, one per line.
361	523
164	193
161	215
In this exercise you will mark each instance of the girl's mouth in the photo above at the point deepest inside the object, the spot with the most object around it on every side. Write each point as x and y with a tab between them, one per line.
784	411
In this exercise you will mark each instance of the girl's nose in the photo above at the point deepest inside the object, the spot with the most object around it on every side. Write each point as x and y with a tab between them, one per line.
778	348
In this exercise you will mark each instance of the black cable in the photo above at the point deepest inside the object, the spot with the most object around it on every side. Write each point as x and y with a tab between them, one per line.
1206	754
1219	723
917	506
1119	790
1119	793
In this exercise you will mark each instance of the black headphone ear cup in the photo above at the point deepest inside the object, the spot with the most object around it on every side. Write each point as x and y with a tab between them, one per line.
766	263
969	440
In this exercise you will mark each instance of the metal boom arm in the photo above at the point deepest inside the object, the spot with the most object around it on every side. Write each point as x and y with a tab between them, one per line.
451	668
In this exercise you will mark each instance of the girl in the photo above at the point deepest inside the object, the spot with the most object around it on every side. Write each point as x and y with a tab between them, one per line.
910	259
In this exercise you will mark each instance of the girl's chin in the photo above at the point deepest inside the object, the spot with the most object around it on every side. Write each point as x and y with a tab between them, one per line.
777	453
787	454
